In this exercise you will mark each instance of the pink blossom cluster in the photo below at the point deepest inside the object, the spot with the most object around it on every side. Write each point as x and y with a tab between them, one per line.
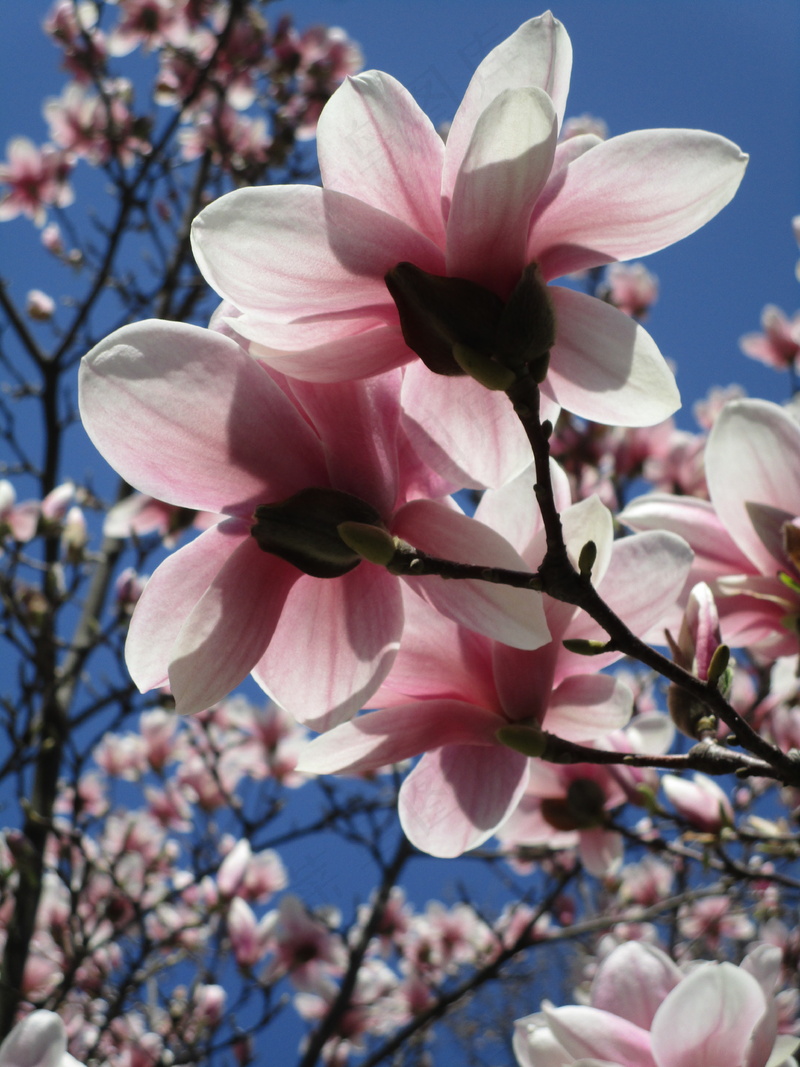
644	1010
328	446
245	92
120	873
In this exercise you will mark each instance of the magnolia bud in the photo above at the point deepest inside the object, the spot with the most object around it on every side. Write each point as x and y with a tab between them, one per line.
372	543
484	370
582	647
303	530
528	739
437	313
527	329
586	559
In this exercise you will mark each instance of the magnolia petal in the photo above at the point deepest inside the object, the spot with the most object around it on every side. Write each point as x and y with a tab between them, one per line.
457	796
39	1040
231	441
539	53
358	421
468	433
513	616
229	628
379	738
358	355
294	252
633	980
503	171
335	644
589	520
633	195
170	596
376	143
696	521
585	707
601	851
589	1032
515	514
710	1014
606	367
753	455
438	658
644	580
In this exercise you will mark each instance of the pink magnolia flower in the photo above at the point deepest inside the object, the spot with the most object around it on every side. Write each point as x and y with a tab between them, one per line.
747	538
451	694
244	443
779	344
631	288
35	178
40	1040
306	266
645	1012
19	520
700	801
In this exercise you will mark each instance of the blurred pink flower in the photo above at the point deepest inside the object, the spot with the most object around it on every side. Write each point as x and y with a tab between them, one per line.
779	344
645	1012
37	178
39	1040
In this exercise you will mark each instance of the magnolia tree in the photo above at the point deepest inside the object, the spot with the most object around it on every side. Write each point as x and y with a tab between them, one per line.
292	379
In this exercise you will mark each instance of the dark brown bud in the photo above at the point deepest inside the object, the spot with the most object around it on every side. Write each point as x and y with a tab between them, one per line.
303	530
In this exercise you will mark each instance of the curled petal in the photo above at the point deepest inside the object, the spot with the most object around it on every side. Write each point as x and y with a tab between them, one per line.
606	367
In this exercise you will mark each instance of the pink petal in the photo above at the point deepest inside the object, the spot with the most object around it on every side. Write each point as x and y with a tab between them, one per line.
39	1040
708	1018
524	680
232	440
539	53
753	455
606	367
335	644
644	580
375	143
379	738
438	658
588	1032
633	195
514	513
464	431
293	252
601	851
633	981
358	422
585	707
170	596
229	627
457	796
357	355
503	171
513	616
696	522
589	520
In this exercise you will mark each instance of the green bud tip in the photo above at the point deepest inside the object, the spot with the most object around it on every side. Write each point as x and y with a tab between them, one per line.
372	543
718	665
529	740
483	369
582	647
586	559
